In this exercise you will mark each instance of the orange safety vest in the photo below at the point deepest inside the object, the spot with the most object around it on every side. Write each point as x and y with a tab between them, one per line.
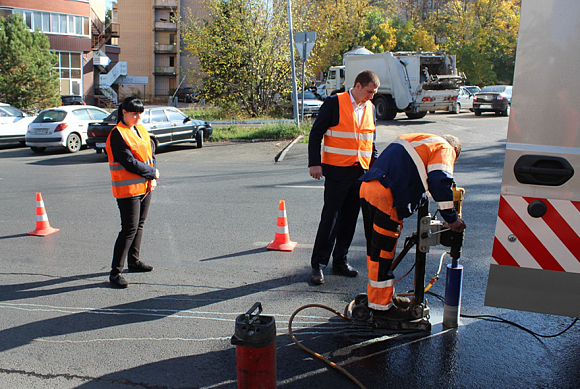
430	152
347	142
127	184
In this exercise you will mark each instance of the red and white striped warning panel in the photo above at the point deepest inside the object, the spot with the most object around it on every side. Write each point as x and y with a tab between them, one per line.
549	242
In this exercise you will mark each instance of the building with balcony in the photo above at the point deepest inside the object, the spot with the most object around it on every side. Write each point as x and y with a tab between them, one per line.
86	46
151	45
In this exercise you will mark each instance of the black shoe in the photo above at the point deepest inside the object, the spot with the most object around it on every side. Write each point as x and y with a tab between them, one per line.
344	269
393	313
140	267
317	277
118	281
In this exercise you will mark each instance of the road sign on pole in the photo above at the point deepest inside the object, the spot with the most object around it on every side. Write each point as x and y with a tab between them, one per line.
304	42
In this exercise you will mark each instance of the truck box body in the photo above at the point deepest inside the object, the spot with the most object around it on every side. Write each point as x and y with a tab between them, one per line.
411	82
535	262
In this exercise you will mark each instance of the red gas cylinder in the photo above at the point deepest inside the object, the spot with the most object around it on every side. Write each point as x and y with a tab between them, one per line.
255	341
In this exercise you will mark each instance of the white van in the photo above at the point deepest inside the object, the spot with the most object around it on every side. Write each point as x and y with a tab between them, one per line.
536	252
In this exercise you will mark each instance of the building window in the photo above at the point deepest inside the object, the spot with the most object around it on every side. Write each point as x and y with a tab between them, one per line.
56	23
71	74
38	20
171	61
45	22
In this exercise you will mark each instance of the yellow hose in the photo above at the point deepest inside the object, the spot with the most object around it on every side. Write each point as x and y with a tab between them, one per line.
332	364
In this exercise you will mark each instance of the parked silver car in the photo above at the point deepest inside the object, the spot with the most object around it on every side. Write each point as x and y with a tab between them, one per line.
465	98
64	126
312	103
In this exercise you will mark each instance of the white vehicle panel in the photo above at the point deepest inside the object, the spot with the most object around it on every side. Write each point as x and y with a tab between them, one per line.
536	252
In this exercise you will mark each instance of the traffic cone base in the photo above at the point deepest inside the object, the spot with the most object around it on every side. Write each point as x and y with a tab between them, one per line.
281	240
43	227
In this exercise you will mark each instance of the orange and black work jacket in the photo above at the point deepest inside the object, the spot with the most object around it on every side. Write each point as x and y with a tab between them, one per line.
412	165
131	161
345	141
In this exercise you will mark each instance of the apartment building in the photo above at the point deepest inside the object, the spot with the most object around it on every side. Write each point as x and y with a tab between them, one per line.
151	45
78	35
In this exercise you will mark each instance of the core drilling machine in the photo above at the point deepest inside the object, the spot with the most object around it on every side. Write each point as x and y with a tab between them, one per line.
430	232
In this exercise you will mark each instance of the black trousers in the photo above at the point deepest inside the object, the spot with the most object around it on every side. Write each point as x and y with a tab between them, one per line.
133	214
339	214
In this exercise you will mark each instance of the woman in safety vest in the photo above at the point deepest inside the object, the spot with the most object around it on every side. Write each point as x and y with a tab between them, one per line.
134	175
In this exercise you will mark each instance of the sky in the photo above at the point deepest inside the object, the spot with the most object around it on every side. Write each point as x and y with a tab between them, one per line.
109	4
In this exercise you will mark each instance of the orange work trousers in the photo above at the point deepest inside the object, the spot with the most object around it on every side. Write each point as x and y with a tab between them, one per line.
382	231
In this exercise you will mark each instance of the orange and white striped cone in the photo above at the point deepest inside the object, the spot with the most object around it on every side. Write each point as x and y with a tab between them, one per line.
43	227
281	240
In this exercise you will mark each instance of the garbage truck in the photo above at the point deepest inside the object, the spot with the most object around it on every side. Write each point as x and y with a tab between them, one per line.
412	82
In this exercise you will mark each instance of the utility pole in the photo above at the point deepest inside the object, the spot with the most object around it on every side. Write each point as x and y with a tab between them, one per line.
294	92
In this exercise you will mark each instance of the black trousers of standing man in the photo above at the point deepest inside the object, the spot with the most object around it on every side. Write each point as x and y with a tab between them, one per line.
339	214
133	214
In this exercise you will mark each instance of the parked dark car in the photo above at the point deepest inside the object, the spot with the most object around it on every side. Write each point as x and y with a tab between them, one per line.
72	100
166	125
187	95
496	98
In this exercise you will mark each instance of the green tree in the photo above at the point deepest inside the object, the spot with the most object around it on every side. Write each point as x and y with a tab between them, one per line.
28	79
483	35
243	53
378	35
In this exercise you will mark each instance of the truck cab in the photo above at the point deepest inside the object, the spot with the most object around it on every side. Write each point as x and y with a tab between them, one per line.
335	80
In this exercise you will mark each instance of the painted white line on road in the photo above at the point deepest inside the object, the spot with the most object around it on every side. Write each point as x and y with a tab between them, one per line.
131	339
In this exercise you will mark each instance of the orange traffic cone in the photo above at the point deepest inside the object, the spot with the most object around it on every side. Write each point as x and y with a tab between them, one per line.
43	227
281	240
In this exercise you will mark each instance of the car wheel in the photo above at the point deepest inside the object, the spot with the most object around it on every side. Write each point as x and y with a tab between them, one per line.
199	139
477	112
73	143
431	111
506	111
99	151
153	145
38	149
456	108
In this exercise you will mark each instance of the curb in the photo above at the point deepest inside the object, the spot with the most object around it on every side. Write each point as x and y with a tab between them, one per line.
280	156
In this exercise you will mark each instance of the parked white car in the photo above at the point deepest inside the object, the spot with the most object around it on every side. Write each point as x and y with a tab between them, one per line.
13	124
64	126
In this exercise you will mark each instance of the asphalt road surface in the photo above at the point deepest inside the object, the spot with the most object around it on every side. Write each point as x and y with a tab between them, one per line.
212	215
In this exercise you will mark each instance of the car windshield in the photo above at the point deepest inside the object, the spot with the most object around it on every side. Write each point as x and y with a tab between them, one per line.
10	111
493	89
307	95
50	116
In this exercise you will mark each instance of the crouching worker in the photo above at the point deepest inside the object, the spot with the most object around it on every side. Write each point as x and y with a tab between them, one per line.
393	188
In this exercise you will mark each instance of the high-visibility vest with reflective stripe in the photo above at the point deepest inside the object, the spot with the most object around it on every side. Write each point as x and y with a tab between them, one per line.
348	142
127	184
430	153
